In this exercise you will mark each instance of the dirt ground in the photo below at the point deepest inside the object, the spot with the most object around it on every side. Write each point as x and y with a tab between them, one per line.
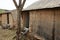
6	34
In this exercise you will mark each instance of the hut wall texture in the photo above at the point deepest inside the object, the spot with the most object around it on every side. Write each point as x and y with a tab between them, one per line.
0	19
23	20
10	20
57	24
4	19
13	16
41	23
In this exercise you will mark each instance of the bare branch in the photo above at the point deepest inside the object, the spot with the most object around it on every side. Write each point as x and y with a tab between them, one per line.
20	1
15	3
24	2
22	5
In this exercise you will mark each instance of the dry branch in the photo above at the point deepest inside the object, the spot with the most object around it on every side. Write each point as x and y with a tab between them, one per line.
22	5
20	1
15	3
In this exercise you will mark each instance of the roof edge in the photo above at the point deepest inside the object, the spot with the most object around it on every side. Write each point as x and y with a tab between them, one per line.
40	9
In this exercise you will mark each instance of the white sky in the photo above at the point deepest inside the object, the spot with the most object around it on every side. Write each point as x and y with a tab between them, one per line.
8	4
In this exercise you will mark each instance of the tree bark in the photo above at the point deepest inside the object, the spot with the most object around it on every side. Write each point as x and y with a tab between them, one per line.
18	24
19	11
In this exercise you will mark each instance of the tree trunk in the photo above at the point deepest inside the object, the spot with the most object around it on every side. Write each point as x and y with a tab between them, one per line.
18	24
19	11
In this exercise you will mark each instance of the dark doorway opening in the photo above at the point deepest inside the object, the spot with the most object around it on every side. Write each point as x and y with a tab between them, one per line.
25	17
27	20
7	18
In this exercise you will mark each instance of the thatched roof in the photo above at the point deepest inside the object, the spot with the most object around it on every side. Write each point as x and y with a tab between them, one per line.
41	4
2	11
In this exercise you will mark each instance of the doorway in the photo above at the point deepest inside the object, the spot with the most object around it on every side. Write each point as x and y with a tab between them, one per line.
25	19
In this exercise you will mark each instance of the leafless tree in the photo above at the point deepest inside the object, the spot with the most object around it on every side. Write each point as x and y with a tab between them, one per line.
19	11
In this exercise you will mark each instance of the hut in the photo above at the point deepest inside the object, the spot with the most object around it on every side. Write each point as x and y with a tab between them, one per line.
5	17
8	17
43	19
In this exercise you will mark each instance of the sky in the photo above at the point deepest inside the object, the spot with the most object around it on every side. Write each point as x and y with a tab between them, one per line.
9	5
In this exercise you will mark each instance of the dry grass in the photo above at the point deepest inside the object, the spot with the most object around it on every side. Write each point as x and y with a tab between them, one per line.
6	34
